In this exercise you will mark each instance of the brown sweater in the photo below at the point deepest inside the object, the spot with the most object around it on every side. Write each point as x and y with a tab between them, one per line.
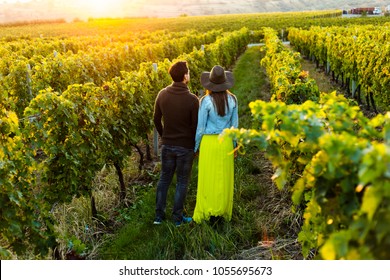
176	115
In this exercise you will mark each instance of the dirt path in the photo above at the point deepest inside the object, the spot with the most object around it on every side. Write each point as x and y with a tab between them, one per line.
325	84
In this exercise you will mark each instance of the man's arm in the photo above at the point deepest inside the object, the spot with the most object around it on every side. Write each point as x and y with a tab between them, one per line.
157	118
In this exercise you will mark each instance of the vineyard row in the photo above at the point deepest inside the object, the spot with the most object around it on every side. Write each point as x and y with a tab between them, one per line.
66	137
333	159
21	78
358	55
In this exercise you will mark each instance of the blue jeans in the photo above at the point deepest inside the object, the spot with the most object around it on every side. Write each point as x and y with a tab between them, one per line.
174	159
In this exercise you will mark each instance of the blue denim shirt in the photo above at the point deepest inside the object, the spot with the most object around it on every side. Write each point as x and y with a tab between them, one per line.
209	122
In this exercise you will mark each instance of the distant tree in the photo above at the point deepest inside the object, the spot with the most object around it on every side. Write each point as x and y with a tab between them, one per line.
77	20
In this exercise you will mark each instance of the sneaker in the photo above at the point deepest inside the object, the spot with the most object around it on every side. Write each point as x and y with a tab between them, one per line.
157	221
185	220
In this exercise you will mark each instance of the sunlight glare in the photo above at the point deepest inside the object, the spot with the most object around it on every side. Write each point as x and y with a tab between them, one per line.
103	8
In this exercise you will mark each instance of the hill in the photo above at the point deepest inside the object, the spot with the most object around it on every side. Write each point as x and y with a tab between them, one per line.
13	11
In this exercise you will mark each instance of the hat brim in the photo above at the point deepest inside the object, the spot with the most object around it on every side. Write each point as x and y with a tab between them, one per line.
207	84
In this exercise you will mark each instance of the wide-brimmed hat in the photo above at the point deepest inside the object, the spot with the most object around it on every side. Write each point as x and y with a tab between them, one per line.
217	80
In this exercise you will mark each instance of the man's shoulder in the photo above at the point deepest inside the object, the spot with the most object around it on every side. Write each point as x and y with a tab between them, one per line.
165	89
162	92
194	96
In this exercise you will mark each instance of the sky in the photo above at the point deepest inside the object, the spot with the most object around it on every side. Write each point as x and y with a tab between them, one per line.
98	2
37	9
69	10
13	1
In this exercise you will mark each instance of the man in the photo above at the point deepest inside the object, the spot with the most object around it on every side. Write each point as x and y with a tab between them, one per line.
176	119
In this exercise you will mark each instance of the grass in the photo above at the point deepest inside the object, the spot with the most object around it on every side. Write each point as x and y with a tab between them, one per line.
251	222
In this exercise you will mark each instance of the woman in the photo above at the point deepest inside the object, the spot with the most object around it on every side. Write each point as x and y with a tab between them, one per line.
218	110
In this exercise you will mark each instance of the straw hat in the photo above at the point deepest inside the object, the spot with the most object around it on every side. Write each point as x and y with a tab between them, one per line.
217	80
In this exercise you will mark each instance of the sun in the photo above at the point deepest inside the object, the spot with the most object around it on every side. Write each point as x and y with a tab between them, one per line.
100	6
103	8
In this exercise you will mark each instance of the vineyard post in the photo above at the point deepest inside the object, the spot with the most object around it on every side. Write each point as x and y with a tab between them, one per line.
327	67
155	133
29	80
353	88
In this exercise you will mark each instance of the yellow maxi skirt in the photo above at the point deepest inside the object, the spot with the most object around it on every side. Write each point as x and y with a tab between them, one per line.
215	179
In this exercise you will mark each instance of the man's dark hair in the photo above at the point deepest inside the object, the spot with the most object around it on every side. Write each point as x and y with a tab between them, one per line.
178	70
